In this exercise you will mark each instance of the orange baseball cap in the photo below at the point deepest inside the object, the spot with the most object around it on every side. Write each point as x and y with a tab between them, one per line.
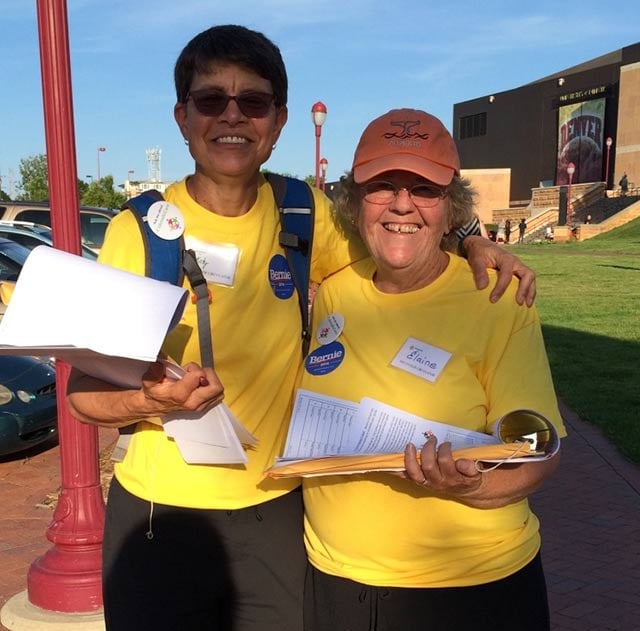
406	140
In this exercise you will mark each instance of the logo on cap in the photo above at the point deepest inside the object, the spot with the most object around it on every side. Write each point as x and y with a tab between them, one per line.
406	132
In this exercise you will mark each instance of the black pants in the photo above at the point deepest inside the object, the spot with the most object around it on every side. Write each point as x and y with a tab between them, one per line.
240	570
516	603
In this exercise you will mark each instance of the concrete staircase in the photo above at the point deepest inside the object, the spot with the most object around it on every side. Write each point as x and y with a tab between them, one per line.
607	209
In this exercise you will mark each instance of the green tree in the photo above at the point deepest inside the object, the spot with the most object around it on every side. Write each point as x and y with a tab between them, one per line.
82	188
102	194
34	184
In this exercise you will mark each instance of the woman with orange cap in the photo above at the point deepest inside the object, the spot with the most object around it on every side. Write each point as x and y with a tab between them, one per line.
445	547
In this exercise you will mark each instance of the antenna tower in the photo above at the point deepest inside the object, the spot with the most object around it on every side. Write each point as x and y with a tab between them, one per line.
153	161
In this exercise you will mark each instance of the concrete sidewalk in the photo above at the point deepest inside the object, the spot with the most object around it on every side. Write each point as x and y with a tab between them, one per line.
590	514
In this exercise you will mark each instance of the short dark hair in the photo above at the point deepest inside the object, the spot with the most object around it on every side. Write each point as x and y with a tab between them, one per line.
233	44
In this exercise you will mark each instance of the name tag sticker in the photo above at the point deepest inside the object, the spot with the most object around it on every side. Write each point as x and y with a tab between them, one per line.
421	359
218	261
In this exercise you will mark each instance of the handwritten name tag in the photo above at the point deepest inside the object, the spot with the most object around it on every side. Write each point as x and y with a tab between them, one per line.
218	261
421	359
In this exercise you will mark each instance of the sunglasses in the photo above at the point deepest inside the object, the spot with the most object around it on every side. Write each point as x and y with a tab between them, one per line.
213	102
422	195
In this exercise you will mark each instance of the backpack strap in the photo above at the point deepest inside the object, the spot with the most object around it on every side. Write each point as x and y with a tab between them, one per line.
162	258
297	210
167	259
202	297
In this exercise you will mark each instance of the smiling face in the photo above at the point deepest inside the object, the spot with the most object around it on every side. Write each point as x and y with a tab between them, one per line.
404	239
230	145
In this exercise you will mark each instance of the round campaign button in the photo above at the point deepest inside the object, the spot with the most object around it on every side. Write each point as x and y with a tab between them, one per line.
280	277
330	328
324	359
165	220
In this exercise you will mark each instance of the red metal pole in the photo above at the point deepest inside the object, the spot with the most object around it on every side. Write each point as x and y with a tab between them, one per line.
67	578
318	132
318	115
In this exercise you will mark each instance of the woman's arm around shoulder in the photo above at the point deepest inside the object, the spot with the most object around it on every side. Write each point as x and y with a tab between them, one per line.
483	253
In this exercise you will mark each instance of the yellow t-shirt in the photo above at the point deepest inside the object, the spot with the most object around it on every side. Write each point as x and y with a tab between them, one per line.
257	349
379	529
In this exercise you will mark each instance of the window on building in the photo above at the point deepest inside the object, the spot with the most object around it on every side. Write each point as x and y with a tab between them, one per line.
471	126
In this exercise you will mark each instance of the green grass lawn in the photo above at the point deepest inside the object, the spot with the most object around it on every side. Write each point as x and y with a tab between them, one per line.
589	304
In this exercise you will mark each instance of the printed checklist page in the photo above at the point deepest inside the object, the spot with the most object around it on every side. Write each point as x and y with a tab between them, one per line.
328	426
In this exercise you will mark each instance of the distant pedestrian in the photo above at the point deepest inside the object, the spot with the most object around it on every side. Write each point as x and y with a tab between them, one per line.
507	230
624	184
522	226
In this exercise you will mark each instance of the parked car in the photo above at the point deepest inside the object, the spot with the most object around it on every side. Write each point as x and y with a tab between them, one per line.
28	412
12	258
31	235
93	221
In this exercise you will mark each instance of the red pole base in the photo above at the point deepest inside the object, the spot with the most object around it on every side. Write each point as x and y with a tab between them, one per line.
67	579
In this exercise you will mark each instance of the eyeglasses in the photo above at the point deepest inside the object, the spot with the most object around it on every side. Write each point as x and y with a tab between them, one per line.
422	195
213	102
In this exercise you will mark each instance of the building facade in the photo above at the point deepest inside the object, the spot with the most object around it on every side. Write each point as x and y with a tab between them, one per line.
587	115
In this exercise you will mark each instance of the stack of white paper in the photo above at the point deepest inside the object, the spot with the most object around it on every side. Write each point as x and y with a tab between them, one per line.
111	324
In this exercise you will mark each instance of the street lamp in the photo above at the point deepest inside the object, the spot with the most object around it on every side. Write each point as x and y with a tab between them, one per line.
608	142
318	116
571	169
324	163
99	151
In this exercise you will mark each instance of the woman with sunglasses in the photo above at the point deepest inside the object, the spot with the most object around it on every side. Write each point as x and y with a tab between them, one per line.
201	546
445	547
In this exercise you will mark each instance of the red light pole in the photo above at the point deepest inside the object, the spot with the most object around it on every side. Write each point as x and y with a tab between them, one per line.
571	169
324	163
67	578
608	142
318	116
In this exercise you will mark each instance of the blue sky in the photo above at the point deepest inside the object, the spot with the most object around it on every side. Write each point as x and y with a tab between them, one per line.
360	57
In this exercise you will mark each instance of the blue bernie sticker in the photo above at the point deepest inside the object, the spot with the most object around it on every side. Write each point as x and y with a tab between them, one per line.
280	277
324	359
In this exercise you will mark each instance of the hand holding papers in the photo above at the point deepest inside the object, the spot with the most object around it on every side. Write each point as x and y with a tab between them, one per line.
329	436
215	437
111	324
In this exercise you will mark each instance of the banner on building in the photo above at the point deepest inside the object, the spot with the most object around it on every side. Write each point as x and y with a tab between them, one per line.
580	140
